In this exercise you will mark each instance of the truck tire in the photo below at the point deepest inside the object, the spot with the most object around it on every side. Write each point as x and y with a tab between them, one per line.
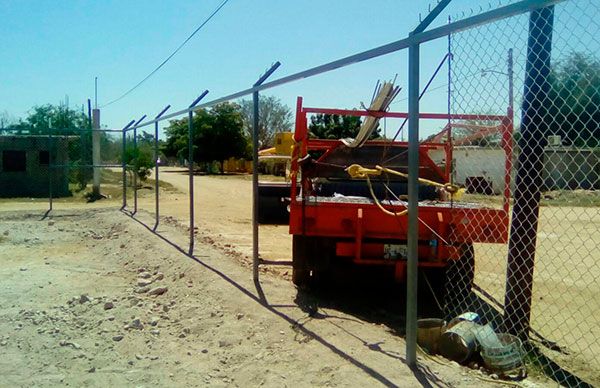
460	275
310	259
301	277
300	256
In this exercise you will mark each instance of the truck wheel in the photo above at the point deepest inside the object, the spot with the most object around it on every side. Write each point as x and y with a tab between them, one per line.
301	277
310	259
459	281
301	248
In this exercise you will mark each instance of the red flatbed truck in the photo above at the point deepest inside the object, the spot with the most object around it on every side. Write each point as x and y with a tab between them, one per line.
335	221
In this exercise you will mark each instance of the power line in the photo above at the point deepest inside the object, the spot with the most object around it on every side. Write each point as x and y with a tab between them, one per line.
427	91
170	56
478	72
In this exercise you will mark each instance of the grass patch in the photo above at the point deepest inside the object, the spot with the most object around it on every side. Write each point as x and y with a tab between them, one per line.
111	186
488	200
555	198
248	177
115	178
579	198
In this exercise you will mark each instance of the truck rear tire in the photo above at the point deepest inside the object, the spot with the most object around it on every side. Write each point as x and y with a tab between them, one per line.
301	250
301	277
460	275
310	259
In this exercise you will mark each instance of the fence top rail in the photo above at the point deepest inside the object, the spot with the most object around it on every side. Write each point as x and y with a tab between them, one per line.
54	131
402	115
413	39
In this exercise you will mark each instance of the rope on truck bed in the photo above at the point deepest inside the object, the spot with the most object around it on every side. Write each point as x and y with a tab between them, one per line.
358	171
379	205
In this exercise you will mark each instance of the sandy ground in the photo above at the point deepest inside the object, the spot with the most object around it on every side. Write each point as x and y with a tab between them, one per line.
90	297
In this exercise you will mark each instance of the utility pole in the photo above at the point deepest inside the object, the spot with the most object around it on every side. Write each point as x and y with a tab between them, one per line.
523	233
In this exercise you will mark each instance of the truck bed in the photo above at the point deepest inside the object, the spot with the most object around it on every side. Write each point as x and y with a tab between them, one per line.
338	199
342	216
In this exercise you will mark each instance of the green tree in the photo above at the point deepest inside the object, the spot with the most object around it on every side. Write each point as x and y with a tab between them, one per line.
273	116
62	120
575	94
6	120
139	160
217	135
326	126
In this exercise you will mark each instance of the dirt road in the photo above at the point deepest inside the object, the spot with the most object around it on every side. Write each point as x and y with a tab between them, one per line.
92	297
223	207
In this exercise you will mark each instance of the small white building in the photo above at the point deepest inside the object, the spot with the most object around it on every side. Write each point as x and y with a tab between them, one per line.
479	169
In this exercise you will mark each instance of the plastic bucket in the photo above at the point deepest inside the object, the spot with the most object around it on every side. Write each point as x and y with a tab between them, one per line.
506	357
428	333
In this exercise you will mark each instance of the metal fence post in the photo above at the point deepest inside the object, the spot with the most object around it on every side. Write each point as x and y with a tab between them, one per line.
124	166
156	186
191	167
413	184
255	127
50	171
413	204
134	169
523	234
96	153
124	163
135	153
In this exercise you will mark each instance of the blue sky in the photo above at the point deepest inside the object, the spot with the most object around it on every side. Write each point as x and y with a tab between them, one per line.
51	49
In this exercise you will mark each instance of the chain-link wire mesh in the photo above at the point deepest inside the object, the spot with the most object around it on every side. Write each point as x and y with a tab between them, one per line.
54	167
540	282
81	165
523	239
26	166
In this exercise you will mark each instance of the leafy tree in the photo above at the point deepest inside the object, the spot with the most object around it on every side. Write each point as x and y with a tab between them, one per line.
326	126
273	116
61	119
225	137
139	160
575	94
111	148
217	135
6	120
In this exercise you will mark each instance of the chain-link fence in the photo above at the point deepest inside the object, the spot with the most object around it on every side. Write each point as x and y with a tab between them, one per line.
523	140
54	167
27	165
541	284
